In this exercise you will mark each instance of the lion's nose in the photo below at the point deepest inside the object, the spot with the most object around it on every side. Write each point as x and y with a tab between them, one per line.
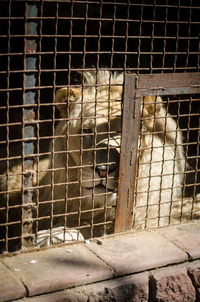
103	169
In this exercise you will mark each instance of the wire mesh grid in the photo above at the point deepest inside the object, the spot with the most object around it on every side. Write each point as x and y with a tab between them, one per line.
60	147
167	182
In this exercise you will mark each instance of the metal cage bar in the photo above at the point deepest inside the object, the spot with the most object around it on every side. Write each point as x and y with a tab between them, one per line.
128	155
30	63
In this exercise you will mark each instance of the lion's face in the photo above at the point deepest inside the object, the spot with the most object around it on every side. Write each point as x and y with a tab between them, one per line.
94	130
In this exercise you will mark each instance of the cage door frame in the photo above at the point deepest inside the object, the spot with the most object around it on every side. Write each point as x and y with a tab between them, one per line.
136	87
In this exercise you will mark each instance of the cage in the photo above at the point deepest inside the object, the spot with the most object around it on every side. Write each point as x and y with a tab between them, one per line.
99	127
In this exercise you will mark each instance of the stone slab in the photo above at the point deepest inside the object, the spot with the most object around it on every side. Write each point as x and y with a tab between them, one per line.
10	286
133	289
58	268
137	252
186	236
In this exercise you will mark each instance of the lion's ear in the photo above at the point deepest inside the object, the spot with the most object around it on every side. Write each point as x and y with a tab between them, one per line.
65	95
154	112
151	105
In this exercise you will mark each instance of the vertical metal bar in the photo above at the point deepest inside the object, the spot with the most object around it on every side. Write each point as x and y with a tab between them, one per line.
177	36
28	123
128	155
113	35
126	36
37	130
67	124
82	117
109	113
165	40
53	180
95	120
189	35
8	133
139	40
192	215
152	37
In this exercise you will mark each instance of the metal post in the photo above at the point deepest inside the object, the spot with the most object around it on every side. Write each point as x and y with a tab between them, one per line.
128	155
29	122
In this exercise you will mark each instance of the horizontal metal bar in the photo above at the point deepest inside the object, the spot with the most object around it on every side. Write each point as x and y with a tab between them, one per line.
168	84
110	3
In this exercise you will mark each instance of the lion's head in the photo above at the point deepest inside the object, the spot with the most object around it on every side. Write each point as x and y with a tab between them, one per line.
87	144
94	127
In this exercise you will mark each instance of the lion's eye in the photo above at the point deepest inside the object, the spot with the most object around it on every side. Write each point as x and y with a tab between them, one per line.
87	130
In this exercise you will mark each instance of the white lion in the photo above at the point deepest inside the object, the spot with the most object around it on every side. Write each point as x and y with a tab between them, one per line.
78	182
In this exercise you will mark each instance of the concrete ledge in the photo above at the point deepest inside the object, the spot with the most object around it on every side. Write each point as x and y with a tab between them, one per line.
136	265
138	252
10	286
57	268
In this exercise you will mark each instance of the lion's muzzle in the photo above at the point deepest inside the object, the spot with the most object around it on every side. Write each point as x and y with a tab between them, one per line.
107	157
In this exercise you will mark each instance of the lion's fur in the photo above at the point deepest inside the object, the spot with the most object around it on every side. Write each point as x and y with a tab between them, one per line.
161	167
93	107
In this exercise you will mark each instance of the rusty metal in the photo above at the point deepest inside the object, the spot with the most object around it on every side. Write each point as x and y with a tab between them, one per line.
29	125
168	84
128	155
135	88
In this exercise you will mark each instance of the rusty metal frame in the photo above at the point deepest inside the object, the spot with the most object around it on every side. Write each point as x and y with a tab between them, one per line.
128	156
137	86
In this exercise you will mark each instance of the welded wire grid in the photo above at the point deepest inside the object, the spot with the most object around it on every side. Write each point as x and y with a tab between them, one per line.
43	46
170	155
